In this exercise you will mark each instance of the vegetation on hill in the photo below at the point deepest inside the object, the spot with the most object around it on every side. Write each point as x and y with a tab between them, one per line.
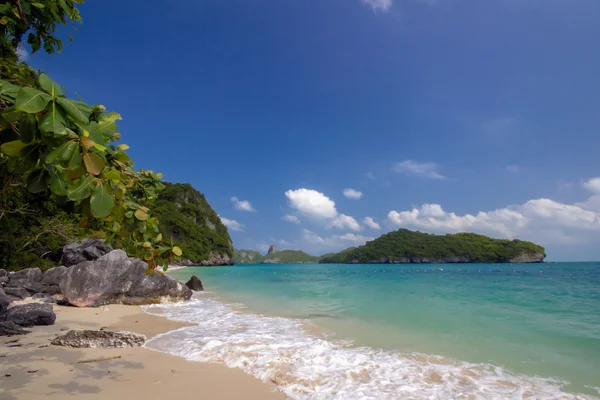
290	256
185	216
408	246
248	257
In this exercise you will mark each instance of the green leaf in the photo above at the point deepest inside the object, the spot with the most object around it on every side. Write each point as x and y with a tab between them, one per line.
129	214
177	251
113	175
54	121
38	5
94	164
107	122
82	189
49	86
13	149
75	109
4	20
8	89
27	128
101	201
57	185
62	153
37	181
141	214
31	100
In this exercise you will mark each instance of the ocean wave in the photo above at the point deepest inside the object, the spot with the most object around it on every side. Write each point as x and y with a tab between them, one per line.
307	367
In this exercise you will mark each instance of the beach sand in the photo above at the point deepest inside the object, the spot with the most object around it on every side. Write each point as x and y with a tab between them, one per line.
39	370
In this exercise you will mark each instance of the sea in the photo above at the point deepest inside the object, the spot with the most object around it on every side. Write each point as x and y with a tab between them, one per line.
403	331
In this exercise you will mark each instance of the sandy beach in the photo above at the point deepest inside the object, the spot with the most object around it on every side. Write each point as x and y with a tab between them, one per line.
34	369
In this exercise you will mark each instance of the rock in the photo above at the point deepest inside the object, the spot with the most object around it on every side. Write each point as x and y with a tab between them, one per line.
10	328
272	249
195	284
3	280
528	258
88	250
3	273
53	275
216	259
117	279
4	301
42	297
18	292
26	276
99	339
31	314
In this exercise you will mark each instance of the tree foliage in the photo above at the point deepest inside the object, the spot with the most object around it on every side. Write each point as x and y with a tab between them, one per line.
408	246
68	148
39	19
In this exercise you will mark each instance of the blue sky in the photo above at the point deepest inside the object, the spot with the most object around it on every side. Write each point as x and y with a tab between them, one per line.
445	115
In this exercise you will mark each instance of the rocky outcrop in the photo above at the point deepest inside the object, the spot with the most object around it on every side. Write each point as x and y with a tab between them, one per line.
528	258
31	314
272	249
87	250
216	259
17	292
99	339
28	276
10	328
116	278
195	284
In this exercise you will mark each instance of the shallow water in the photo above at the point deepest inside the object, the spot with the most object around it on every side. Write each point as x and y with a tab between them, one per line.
399	331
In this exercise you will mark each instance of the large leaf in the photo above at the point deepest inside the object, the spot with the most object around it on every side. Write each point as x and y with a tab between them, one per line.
101	202
141	214
58	185
62	152
8	90
49	86
94	164
37	181
75	109
13	149
75	162
28	128
54	121
83	189
31	100
107	123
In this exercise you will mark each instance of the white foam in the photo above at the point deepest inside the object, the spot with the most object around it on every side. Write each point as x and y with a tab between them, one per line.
306	367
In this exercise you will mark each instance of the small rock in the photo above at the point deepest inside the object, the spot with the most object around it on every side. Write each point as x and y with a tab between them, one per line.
4	301
53	275
10	328
99	339
25	276
31	314
3	273
195	284
3	280
88	250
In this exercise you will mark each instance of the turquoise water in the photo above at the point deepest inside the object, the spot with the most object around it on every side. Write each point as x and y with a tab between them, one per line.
532	320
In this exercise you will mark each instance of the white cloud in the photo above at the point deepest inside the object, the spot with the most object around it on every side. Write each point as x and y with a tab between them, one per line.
543	220
383	5
291	218
354	238
343	221
333	243
22	54
312	203
370	175
353	194
232	224
368	221
513	168
425	170
593	185
243	205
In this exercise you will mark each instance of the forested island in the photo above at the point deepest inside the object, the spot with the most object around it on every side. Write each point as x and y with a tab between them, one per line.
405	246
274	256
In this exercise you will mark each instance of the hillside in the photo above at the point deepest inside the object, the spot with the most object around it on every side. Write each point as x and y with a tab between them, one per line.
185	215
248	257
290	256
404	246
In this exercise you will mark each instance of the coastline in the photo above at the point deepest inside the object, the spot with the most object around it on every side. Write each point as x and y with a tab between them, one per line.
38	370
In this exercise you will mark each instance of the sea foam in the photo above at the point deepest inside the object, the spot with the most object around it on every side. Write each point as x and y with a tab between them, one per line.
305	366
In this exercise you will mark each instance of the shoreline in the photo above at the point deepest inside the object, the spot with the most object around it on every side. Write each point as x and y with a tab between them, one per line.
38	370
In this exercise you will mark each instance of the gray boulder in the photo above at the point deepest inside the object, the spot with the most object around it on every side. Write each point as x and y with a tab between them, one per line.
26	276
117	279
195	284
18	292
87	250
4	301
53	275
3	280
3	273
99	339
10	328
31	314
